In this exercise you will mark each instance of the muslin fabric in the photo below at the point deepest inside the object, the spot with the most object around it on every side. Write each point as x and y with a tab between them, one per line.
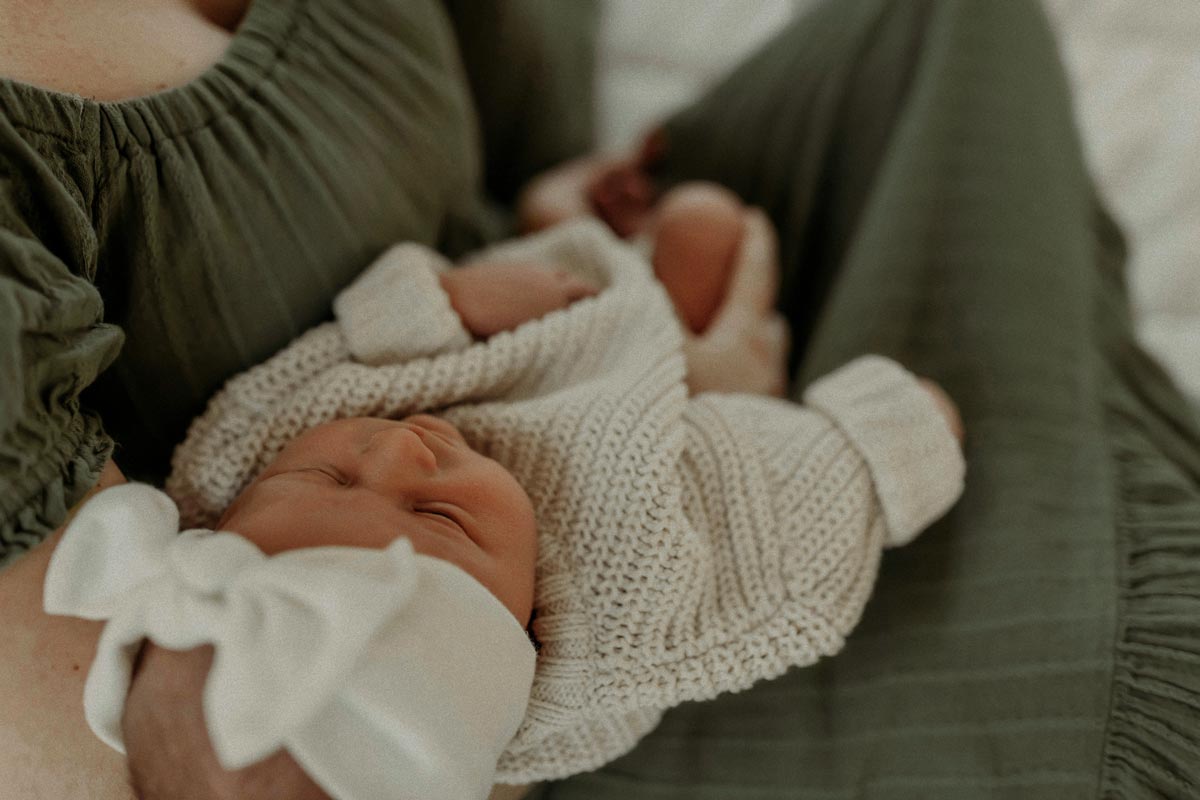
688	546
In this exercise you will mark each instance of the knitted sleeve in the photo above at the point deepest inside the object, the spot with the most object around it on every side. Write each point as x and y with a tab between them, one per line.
915	463
792	505
397	309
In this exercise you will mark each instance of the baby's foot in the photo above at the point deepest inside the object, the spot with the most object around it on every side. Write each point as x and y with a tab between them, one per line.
696	232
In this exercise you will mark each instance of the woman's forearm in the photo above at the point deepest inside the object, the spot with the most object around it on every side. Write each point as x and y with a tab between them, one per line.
46	748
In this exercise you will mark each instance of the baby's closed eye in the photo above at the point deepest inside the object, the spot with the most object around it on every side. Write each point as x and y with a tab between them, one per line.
333	473
440	510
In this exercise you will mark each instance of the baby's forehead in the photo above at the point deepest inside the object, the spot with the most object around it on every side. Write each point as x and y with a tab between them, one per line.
352	430
317	445
348	427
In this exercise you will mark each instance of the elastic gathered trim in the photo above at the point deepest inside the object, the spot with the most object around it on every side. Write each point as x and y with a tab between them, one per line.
1151	743
36	504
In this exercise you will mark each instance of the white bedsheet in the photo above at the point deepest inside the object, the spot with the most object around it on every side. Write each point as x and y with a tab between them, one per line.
1135	69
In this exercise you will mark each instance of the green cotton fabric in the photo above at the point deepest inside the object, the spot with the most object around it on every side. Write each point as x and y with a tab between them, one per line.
152	248
530	66
1042	641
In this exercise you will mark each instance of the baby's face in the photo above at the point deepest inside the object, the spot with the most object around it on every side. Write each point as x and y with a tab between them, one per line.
364	482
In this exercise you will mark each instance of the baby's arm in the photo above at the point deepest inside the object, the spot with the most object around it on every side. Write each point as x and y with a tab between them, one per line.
899	435
793	504
410	303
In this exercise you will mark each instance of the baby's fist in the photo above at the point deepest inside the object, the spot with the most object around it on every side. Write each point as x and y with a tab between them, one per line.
495	296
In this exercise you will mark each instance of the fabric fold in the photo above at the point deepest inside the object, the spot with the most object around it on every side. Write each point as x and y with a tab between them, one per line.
1152	741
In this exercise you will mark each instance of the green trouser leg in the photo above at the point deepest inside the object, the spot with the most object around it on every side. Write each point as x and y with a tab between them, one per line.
1043	641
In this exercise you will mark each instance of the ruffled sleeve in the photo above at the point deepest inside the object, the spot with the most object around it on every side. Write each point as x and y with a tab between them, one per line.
53	344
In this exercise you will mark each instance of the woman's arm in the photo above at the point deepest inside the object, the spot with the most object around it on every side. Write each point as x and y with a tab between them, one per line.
46	747
53	343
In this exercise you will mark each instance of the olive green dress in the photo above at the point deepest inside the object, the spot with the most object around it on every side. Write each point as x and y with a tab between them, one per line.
1042	642
152	248
920	162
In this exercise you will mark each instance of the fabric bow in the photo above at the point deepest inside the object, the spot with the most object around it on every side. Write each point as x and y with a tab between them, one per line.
286	630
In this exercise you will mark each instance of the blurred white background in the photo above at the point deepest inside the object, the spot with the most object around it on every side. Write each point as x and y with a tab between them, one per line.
1135	69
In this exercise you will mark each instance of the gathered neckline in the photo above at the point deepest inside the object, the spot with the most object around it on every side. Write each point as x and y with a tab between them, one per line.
253	49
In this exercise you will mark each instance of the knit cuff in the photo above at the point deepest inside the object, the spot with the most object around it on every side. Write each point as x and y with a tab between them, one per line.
915	460
397	309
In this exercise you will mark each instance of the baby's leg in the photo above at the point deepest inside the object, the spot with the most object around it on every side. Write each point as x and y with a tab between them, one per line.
696	232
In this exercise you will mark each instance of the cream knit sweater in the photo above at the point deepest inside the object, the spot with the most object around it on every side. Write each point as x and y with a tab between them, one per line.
688	546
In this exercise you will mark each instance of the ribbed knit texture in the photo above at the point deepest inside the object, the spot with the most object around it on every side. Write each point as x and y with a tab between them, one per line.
687	547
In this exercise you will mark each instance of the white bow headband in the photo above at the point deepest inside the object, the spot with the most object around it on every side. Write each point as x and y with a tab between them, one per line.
383	672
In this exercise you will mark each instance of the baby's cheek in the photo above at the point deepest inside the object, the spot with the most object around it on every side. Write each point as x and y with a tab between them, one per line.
297	520
263	531
436	545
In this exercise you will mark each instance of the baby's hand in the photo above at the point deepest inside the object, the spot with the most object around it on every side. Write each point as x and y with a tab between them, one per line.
946	406
495	296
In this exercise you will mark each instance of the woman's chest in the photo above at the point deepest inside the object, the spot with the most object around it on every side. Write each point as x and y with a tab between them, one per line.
114	50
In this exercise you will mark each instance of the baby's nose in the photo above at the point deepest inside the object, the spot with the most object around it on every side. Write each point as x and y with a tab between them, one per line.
395	450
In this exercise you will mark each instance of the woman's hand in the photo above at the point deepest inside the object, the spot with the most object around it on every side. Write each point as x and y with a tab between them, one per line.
495	296
745	348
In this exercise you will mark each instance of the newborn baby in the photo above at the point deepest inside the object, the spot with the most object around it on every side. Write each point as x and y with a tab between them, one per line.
668	548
